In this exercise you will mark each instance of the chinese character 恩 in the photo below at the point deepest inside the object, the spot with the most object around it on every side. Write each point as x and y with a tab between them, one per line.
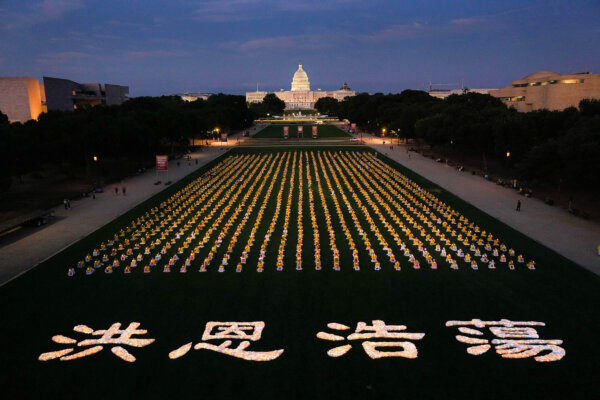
111	336
513	339
244	331
378	330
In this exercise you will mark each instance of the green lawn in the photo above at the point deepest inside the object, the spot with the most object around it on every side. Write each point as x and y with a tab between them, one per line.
295	305
324	131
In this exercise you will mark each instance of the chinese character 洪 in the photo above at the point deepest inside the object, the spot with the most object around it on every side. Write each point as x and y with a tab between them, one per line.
379	330
514	339
112	336
244	331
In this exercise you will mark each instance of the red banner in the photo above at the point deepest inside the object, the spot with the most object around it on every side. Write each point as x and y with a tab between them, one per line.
162	163
300	128
353	127
314	130
223	137
286	131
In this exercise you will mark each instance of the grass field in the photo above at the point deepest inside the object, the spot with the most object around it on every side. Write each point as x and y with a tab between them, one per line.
324	131
351	201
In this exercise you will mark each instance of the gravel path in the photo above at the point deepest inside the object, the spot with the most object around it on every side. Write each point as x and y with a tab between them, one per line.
570	236
26	248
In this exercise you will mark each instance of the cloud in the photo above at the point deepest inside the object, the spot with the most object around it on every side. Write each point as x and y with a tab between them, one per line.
52	9
331	39
74	57
466	21
313	5
418	29
39	12
395	32
62	57
305	41
240	10
226	10
144	54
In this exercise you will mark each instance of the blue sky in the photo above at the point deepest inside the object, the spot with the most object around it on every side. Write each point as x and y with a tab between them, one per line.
168	46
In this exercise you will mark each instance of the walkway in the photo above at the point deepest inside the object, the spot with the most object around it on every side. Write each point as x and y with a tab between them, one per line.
21	251
570	236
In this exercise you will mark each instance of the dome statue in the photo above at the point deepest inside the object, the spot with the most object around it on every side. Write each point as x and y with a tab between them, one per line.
300	81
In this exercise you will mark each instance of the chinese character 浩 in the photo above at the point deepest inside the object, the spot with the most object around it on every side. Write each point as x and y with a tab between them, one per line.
378	330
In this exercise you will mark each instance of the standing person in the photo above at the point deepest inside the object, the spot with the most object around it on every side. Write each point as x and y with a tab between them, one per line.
518	205
65	203
116	190
68	203
123	190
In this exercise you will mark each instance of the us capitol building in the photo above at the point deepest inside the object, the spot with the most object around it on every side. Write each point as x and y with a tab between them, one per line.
300	97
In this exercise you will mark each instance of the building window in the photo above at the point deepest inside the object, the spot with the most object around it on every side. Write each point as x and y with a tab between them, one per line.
512	99
551	82
569	81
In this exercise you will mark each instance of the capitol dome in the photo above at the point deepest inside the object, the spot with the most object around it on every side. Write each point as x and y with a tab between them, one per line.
300	81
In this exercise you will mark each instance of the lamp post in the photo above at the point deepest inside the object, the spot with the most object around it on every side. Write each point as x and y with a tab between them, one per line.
95	159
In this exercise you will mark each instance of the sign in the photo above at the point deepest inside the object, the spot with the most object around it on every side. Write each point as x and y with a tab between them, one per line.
162	163
286	132
300	129
315	130
223	137
353	127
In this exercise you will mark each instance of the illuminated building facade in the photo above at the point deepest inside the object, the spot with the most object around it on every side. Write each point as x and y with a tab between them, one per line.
194	96
549	90
23	98
300	97
442	94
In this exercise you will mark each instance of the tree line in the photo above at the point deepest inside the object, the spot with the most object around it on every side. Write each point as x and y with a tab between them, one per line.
121	137
554	147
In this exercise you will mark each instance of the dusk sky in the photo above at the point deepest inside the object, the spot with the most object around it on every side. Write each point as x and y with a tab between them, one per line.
163	47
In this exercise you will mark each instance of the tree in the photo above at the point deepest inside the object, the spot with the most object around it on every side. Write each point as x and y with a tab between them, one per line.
327	106
3	118
589	107
273	104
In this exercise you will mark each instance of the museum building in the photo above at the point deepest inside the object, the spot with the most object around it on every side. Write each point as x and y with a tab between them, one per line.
550	91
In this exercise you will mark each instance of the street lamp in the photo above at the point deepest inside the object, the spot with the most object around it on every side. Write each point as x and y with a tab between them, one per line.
507	158
96	171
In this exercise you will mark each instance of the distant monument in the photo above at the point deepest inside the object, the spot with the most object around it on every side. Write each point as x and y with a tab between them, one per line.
300	97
